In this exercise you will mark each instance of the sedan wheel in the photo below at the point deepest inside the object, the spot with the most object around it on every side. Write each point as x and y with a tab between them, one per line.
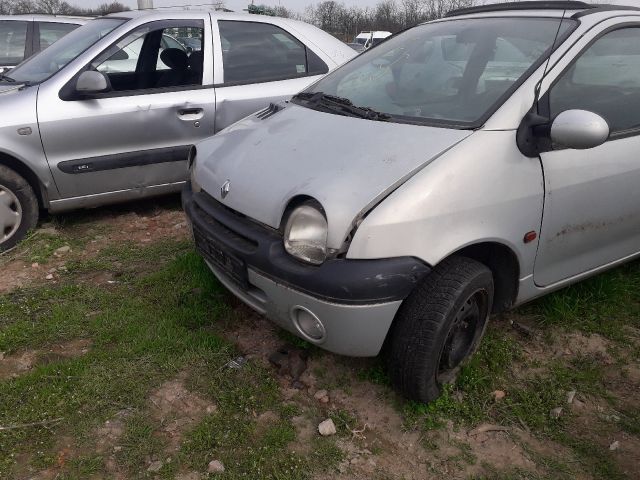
19	208
10	214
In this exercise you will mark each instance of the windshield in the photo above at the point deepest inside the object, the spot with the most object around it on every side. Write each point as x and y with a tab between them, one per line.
45	64
446	73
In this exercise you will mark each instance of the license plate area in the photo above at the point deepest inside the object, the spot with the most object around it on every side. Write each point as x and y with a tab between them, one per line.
220	258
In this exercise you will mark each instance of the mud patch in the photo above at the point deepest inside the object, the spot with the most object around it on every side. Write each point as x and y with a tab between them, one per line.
177	409
255	336
139	223
12	366
595	345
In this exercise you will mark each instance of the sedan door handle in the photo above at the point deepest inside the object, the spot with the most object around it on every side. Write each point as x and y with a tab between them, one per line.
190	111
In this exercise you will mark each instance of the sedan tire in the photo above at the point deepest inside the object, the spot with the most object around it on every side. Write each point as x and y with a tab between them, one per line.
18	208
439	326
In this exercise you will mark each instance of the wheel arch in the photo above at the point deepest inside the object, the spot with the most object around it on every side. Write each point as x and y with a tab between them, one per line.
505	266
29	175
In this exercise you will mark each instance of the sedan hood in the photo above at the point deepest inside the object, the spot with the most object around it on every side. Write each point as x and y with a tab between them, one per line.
8	88
347	164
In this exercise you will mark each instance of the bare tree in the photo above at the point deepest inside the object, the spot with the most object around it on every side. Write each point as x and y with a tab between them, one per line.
390	15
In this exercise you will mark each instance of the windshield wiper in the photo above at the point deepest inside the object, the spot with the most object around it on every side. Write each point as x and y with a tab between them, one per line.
342	106
3	77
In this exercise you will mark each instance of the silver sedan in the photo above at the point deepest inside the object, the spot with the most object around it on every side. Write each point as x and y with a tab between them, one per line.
110	112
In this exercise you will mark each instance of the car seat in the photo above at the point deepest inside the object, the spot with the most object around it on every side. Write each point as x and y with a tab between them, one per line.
178	63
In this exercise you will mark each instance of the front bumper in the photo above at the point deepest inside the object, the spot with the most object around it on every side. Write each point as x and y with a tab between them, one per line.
355	301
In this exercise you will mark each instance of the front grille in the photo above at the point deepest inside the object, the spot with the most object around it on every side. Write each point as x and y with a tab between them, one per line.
230	236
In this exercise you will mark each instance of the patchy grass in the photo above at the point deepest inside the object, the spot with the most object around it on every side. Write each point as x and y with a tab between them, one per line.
604	304
144	330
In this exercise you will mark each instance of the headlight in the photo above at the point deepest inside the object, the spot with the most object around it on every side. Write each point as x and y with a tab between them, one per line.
195	186
305	236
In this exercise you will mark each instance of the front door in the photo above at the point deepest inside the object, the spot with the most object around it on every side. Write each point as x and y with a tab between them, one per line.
138	134
592	200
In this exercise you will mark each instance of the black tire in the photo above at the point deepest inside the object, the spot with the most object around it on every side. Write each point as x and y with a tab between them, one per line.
19	209
438	327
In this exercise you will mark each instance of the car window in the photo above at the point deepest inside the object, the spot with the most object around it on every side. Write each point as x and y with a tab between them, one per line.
262	52
454	72
151	58
169	40
13	40
51	32
605	80
42	66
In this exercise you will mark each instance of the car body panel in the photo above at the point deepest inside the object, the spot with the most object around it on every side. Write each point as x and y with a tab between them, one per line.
435	219
329	171
20	134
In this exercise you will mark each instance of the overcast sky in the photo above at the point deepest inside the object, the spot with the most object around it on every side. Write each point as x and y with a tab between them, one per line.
298	5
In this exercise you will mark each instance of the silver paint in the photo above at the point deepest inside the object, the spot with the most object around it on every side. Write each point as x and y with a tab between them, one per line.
579	129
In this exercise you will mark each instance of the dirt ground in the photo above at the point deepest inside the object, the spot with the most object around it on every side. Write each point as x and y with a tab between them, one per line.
377	438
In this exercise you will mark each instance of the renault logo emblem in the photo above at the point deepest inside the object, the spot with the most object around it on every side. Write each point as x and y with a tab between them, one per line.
225	189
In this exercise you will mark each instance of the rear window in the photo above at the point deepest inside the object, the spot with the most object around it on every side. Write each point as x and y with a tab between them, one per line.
51	32
255	52
13	40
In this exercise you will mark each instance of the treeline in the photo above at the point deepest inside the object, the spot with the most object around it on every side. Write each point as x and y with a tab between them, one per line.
390	15
329	15
56	7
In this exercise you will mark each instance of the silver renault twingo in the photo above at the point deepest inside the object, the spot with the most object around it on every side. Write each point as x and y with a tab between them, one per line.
459	169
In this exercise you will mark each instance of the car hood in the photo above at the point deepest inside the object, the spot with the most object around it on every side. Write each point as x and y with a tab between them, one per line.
9	88
347	164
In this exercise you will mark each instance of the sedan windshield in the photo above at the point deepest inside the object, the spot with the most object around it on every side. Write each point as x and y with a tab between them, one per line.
42	66
452	73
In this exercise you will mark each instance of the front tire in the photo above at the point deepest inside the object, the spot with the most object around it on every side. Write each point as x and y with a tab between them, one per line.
18	208
439	326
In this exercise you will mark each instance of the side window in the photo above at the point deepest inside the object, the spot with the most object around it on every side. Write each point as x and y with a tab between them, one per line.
50	33
261	52
151	58
13	41
605	80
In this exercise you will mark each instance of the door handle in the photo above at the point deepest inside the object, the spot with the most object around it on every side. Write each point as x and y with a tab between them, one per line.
188	112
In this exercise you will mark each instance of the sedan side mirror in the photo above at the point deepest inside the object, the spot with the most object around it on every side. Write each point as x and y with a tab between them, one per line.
90	82
579	129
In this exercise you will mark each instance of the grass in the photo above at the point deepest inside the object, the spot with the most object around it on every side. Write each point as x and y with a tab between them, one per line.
144	331
605	304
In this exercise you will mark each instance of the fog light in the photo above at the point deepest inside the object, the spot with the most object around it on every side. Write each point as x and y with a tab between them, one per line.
308	324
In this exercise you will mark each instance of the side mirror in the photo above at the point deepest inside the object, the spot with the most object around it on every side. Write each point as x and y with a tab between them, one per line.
579	129
92	82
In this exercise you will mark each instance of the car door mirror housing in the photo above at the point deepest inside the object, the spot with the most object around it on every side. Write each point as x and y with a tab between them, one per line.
579	129
91	82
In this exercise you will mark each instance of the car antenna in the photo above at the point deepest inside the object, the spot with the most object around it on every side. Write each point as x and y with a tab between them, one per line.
533	123
546	67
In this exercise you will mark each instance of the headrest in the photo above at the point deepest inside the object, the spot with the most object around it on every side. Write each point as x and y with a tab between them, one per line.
175	59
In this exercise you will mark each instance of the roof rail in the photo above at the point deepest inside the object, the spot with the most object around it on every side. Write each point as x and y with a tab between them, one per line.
605	8
532	5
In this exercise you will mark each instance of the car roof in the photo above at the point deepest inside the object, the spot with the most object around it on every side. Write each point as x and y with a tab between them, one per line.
47	18
166	13
549	8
